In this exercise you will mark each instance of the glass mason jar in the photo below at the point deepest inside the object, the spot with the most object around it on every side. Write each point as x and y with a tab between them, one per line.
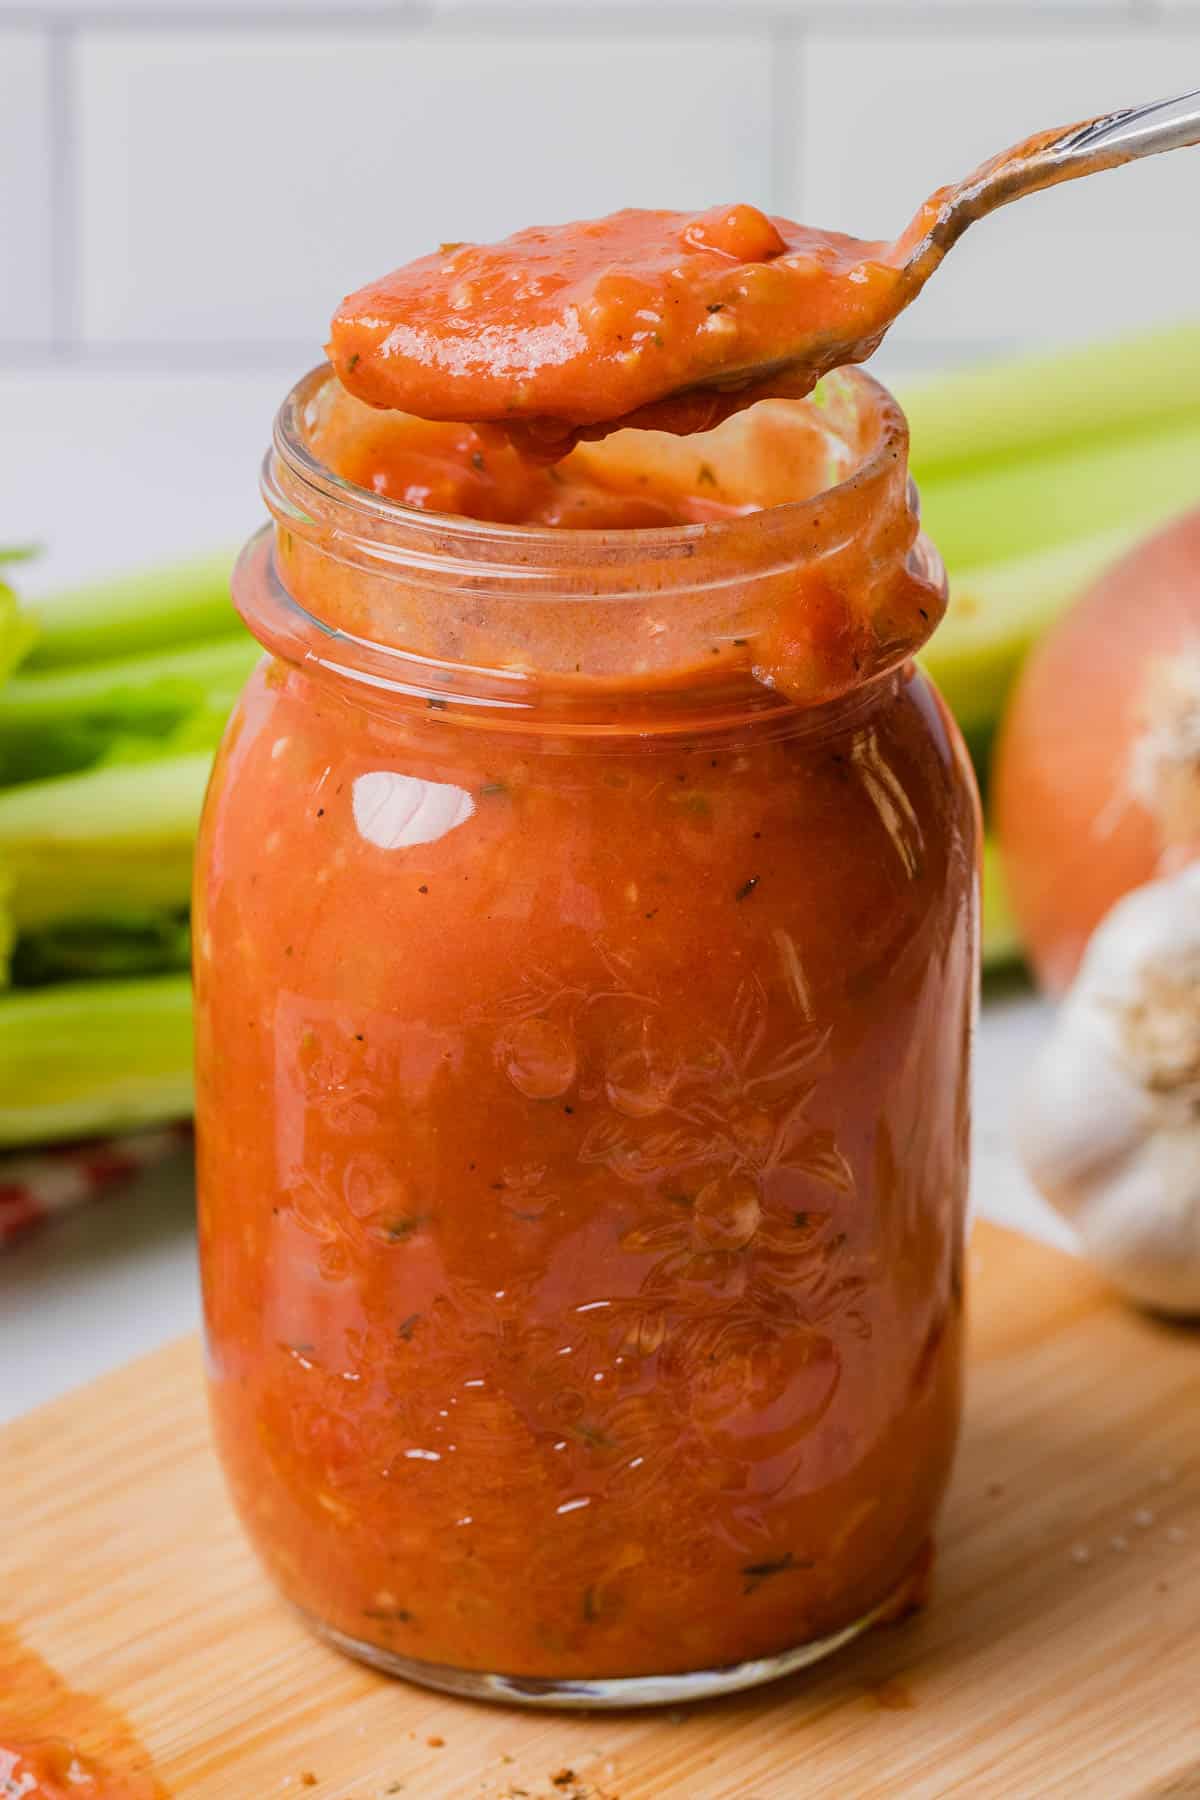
586	950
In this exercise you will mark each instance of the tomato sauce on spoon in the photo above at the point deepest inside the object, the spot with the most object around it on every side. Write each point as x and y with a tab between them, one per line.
662	319
673	320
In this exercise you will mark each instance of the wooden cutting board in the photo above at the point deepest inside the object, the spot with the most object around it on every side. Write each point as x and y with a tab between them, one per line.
1060	1655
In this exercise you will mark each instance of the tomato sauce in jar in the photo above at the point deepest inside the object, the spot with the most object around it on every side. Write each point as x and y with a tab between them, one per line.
585	930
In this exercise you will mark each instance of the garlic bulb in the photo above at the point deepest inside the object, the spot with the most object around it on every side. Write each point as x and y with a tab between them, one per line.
1110	1131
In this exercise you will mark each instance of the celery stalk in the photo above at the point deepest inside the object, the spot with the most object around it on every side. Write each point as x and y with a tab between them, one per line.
997	613
17	631
126	614
81	1058
56	720
90	949
1126	386
8	931
116	839
989	514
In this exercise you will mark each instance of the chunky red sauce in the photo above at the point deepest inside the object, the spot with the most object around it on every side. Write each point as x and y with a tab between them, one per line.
590	1302
453	468
582	1088
662	319
56	1744
585	953
809	627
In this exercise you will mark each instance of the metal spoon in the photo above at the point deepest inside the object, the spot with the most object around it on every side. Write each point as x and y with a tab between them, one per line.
1041	161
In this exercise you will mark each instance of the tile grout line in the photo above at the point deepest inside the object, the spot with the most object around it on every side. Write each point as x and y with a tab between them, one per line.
64	207
845	17
178	356
1030	18
192	16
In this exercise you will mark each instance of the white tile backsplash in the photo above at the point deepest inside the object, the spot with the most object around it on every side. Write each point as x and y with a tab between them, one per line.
886	120
26	299
195	182
157	466
233	185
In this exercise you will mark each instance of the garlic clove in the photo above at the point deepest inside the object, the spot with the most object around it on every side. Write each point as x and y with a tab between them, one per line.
1082	1114
1110	1127
1142	1227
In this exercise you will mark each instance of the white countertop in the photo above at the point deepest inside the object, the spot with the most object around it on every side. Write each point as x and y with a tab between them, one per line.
93	484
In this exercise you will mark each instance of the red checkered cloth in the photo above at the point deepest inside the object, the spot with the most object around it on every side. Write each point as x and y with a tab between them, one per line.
41	1185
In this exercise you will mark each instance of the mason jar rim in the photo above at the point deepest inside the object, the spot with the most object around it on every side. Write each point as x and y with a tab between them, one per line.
600	622
431	533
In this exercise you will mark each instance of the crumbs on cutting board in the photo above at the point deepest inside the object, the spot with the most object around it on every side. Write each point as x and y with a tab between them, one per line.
562	1783
577	1789
1145	1528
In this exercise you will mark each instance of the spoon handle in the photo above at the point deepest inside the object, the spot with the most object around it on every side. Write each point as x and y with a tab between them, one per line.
1123	136
1057	155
